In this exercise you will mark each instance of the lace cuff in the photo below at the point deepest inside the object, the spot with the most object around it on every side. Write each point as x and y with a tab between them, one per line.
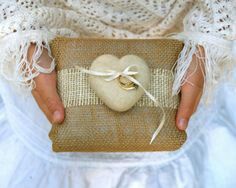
14	63
218	58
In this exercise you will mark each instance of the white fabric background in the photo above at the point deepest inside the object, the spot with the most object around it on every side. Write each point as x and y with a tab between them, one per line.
207	160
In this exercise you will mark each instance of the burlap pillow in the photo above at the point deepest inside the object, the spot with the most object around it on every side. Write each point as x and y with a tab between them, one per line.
90	126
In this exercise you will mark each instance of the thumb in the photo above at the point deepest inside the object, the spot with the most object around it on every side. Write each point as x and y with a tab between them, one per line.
191	91
190	96
47	97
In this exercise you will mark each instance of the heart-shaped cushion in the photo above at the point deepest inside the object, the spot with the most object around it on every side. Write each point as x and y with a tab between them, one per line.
119	94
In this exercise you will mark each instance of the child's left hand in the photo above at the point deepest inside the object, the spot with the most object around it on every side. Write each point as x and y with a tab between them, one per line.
191	92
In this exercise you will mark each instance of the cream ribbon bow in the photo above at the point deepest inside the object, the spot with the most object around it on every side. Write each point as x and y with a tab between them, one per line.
113	74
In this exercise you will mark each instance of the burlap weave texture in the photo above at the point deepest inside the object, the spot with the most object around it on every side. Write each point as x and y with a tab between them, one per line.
90	126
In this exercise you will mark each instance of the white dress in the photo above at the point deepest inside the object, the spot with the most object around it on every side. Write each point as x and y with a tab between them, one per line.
207	159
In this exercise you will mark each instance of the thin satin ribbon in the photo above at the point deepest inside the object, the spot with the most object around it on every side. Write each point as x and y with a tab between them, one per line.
113	74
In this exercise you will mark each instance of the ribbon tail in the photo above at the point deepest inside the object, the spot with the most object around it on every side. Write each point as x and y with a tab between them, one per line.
157	131
95	73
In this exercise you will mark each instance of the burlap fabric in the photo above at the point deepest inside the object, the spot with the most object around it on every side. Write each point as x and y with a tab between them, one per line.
90	126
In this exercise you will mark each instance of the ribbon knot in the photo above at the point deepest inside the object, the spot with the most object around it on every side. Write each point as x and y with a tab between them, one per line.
127	73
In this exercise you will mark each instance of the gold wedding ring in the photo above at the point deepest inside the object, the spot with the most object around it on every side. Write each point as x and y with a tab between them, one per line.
126	84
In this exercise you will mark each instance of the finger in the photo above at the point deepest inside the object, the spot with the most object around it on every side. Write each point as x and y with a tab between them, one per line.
191	93
190	97
41	104
47	97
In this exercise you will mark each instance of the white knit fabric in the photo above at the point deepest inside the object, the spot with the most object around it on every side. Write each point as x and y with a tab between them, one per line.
39	21
207	160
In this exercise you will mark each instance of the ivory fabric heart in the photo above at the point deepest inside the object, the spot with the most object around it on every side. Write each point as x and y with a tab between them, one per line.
119	94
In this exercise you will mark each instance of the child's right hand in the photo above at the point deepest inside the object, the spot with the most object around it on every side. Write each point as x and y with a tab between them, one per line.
45	92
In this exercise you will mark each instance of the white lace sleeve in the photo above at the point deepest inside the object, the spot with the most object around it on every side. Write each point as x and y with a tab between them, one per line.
18	29
210	24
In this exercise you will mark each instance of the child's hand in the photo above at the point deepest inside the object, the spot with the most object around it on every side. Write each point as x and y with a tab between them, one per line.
45	92
50	103
191	91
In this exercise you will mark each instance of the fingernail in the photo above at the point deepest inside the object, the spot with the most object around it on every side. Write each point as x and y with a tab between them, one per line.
56	117
182	124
